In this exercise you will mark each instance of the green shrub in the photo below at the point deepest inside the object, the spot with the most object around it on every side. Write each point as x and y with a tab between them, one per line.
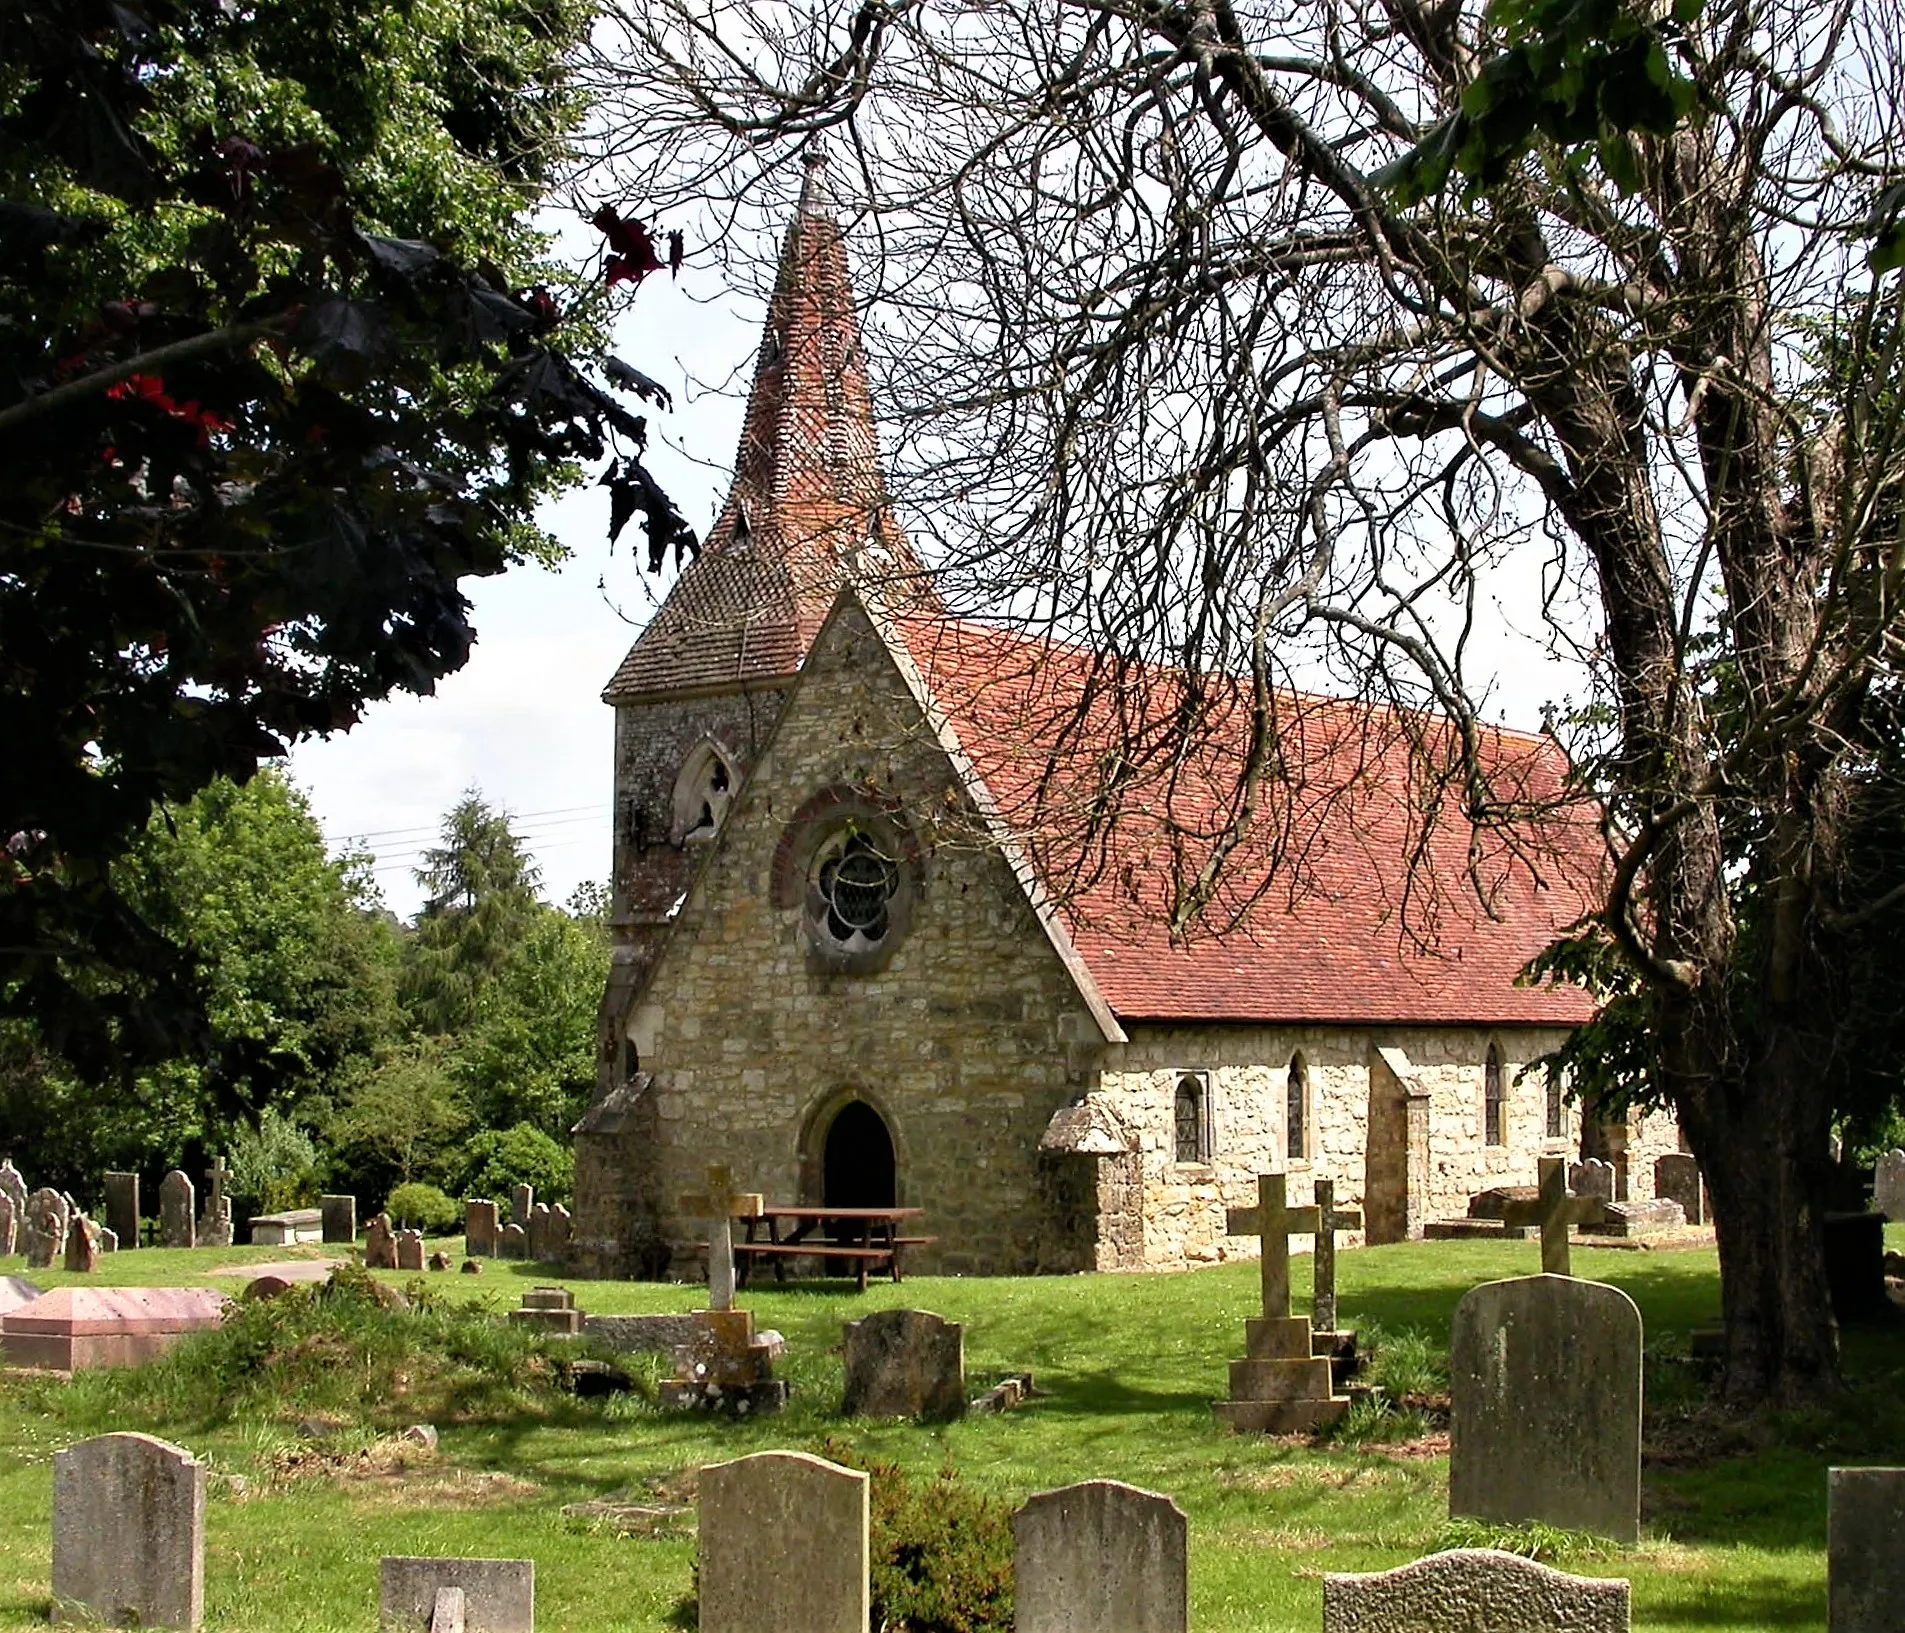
424	1208
941	1554
500	1158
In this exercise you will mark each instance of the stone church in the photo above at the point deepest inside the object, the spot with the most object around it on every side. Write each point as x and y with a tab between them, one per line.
864	956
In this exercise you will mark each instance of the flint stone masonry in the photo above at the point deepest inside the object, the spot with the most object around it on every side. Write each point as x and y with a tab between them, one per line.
783	1546
122	1207
1865	1550
1100	1557
339	1218
178	1226
905	1364
499	1595
1474	1590
129	1533
1888	1186
288	1228
72	1328
1545	1379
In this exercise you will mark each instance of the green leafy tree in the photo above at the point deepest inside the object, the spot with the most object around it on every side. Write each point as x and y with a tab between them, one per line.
402	1120
274	1165
283	360
480	902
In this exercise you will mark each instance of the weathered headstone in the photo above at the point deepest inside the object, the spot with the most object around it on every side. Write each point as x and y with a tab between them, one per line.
1281	1386
48	1219
13	1188
1474	1590
339	1216
479	1228
561	1234
380	1244
82	1245
1888	1186
512	1242
1330	1219
215	1224
9	1227
905	1364
409	1250
122	1207
522	1203
548	1309
1556	1212
1545	1380
1677	1177
129	1532
538	1228
1100	1557
1865	1550
177	1220
1593	1177
783	1545
721	1204
499	1595
108	1239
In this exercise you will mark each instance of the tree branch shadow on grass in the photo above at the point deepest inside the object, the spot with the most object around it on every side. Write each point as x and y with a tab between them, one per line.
1758	1601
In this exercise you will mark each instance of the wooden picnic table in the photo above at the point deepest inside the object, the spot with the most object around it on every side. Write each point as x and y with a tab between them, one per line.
868	1238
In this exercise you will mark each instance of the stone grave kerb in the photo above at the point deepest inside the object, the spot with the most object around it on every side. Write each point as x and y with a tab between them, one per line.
1557	1213
720	1204
1274	1222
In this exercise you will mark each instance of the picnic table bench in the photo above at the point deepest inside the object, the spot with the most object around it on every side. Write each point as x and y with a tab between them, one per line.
867	1238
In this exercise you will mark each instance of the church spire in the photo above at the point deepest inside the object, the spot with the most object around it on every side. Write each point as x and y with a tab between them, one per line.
809	494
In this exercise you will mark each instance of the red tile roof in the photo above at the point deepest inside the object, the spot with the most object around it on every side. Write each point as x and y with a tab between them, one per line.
808	494
1352	897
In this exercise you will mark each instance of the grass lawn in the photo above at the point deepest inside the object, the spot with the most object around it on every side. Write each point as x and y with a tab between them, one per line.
1735	1514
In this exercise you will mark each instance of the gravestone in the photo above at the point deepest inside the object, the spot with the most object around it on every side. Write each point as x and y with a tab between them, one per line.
9	1227
380	1245
339	1218
1593	1178
479	1229
1281	1386
522	1203
499	1595
48	1219
1888	1186
215	1223
1659	1216
512	1242
15	1292
1100	1557
1556	1212
1545	1384
129	1532
1677	1178
1474	1590
409	1250
538	1228
122	1207
561	1233
1330	1219
82	1245
1865	1550
108	1239
13	1188
287	1229
783	1545
721	1204
75	1327
905	1364
177	1221
549	1309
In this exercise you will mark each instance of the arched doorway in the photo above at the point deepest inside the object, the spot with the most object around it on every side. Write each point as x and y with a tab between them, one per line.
856	1165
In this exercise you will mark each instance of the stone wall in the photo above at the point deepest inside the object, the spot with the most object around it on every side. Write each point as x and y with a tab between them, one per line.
1247	1068
966	1042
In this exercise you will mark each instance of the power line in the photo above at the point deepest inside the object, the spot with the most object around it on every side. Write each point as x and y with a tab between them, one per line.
433	829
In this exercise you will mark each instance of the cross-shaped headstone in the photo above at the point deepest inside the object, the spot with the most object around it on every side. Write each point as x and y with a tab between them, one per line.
1330	1219
1555	1211
215	1176
1276	1223
719	1204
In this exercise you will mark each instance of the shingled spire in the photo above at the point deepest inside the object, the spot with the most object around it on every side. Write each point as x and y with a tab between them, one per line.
809	496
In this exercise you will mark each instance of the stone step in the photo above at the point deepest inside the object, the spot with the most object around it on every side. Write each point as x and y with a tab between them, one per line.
1280	1380
1278	1417
548	1298
1277	1338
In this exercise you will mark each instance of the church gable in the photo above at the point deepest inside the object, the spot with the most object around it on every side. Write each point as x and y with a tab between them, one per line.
855	950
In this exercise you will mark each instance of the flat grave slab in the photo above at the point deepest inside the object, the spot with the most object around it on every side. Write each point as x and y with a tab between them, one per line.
287	1229
72	1328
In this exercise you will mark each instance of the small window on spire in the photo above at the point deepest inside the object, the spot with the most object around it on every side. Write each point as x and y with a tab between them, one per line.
771	349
